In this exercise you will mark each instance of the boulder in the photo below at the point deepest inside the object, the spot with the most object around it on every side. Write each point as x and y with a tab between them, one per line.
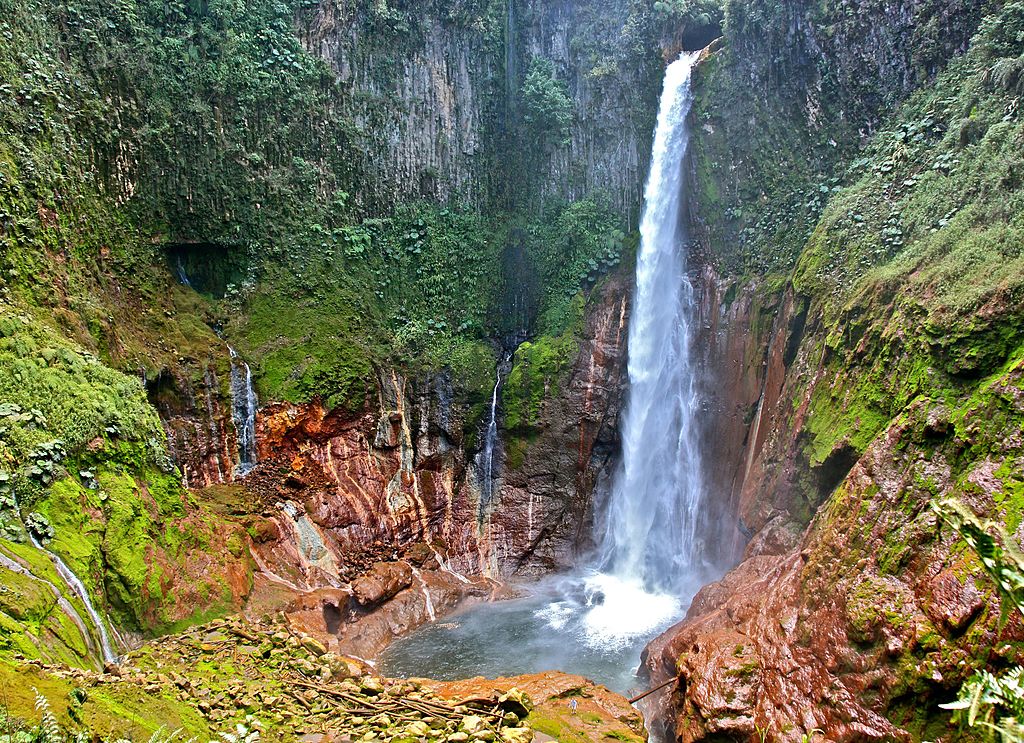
382	582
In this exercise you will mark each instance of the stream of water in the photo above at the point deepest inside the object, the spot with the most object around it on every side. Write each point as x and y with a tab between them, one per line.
652	556
72	581
486	456
243	413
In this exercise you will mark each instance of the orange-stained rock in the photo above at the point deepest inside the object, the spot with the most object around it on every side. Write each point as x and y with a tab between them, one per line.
856	631
381	582
601	715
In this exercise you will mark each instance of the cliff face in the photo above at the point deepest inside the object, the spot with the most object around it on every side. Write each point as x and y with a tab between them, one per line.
410	471
334	492
434	98
860	385
420	92
865	623
541	518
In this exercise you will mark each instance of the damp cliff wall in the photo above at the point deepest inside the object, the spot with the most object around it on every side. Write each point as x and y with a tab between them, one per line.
860	383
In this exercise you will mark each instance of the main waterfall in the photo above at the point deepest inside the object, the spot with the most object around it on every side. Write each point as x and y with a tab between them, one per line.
651	558
653	518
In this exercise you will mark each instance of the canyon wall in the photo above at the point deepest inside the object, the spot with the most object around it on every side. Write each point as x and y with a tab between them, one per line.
870	387
435	99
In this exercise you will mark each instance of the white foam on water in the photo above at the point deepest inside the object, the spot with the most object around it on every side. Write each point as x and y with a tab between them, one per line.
621	611
557	614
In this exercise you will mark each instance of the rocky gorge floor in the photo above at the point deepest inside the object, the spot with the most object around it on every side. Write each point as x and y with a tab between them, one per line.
241	676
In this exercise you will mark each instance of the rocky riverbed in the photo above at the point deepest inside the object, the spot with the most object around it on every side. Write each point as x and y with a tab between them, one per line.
237	674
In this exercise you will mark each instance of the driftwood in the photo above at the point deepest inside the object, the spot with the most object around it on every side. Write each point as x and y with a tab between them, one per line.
399	707
647	693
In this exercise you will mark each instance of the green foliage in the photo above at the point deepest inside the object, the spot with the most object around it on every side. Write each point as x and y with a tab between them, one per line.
690	12
992	702
571	247
537	373
934	210
48	727
55	399
547	108
1002	33
778	128
413	289
1000	558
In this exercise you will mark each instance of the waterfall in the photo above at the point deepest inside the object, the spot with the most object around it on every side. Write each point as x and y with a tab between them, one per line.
655	515
243	413
65	606
486	457
428	602
72	582
179	268
653	528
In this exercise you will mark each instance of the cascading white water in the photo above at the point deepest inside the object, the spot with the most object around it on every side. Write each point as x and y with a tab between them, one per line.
655	514
76	585
243	413
486	460
179	268
651	552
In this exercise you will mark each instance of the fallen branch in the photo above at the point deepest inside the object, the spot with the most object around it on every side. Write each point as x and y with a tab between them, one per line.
647	693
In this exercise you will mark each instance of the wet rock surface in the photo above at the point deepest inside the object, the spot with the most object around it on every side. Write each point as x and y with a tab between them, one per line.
866	625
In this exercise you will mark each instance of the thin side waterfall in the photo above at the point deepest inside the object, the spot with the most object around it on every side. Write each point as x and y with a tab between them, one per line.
179	268
491	439
66	606
243	413
655	514
72	581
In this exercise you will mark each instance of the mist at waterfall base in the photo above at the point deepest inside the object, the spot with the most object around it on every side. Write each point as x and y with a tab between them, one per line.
593	624
655	537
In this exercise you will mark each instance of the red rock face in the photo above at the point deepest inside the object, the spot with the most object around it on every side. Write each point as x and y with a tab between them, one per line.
197	419
400	475
334	493
542	515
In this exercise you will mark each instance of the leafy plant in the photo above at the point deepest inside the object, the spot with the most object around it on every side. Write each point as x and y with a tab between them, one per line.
49	727
244	732
986	700
547	108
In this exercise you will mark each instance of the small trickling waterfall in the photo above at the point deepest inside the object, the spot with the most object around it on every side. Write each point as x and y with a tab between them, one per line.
243	413
486	457
72	582
65	606
179	269
428	602
655	517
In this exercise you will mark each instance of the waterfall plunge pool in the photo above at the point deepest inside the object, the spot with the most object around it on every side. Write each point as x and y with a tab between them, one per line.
594	625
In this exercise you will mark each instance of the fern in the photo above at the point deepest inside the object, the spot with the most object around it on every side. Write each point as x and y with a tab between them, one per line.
159	737
247	732
48	726
998	555
994	703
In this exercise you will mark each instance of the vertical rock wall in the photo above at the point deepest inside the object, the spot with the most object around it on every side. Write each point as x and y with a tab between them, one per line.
434	100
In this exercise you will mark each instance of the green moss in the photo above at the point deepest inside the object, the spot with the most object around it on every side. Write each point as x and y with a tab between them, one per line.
122	711
535	377
78	399
556	727
537	372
